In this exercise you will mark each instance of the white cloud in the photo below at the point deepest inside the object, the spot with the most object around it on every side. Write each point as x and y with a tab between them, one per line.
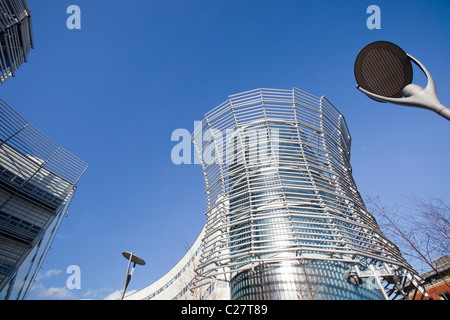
48	274
40	290
113	296
117	294
55	293
44	291
94	293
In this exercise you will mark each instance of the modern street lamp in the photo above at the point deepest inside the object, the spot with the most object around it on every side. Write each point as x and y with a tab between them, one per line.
136	260
384	73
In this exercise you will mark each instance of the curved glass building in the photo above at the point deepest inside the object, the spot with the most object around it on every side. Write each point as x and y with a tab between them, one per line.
284	217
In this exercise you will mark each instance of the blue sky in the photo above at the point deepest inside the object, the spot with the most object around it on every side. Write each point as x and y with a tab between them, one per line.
113	92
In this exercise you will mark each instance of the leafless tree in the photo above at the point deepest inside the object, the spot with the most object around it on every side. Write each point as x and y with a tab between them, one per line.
311	281
194	282
421	229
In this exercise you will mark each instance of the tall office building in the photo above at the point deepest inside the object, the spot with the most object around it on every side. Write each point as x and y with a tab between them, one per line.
37	177
284	217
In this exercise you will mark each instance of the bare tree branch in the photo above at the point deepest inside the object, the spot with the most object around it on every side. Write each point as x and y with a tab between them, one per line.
422	234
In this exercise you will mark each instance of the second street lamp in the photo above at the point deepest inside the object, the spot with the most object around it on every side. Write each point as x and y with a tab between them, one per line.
136	260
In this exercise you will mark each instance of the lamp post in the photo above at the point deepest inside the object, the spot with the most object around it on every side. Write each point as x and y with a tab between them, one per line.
384	73
136	260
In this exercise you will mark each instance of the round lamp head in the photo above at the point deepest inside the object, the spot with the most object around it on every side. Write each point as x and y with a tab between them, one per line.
134	258
384	69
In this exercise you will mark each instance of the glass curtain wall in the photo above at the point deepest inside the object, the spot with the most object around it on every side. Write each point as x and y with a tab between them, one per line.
276	213
284	217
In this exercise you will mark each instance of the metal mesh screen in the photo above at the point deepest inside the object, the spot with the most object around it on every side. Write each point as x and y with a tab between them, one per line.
383	68
383	72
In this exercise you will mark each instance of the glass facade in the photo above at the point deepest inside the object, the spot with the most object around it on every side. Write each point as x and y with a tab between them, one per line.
276	208
284	217
37	177
292	220
299	280
37	181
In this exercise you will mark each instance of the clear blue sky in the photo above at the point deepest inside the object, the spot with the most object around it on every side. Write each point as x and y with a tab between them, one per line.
113	92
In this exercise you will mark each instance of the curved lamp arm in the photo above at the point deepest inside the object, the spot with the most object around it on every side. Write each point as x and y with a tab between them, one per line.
416	96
